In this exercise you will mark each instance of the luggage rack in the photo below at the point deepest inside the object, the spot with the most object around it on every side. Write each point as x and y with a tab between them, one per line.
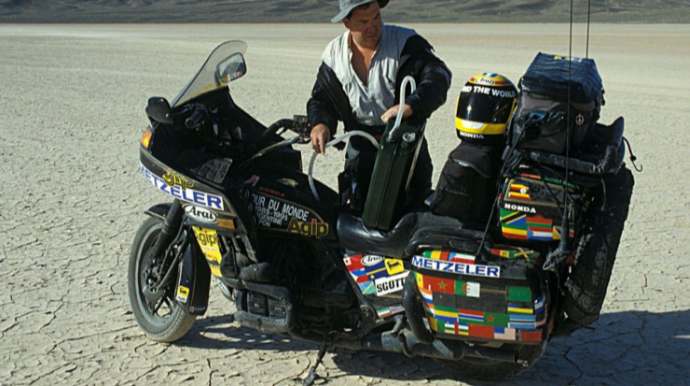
608	152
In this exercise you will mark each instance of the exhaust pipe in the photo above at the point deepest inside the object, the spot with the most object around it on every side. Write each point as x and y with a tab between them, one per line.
407	343
414	312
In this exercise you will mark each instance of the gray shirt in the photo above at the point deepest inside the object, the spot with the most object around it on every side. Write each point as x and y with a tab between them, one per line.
369	101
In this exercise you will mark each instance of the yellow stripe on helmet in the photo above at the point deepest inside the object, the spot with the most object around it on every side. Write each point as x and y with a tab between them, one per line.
480	128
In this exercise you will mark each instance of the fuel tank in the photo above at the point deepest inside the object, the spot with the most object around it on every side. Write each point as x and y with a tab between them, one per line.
279	199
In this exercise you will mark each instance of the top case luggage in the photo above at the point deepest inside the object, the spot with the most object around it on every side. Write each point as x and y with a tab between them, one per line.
559	101
555	75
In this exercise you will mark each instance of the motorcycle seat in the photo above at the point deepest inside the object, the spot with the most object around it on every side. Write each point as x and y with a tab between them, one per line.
412	230
444	233
354	235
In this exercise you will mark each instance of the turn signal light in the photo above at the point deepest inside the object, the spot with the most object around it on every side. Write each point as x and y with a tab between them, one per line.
146	138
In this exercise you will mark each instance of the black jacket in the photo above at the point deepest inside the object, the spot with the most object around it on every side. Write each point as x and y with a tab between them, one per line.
329	103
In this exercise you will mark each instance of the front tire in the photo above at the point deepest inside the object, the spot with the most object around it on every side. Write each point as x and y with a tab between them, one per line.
162	320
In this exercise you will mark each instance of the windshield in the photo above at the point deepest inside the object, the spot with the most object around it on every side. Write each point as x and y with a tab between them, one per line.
225	64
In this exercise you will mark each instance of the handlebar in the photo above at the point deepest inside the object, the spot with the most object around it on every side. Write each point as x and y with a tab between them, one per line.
298	124
196	119
280	124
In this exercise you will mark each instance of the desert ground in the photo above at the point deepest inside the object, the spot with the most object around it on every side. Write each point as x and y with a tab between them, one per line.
72	103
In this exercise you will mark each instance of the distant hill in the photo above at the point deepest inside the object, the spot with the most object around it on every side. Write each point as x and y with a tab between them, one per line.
320	11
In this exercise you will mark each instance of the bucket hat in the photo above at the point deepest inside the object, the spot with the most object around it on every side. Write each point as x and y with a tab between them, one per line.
346	6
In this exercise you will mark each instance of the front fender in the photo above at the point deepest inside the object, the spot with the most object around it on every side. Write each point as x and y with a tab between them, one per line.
193	281
159	210
194	278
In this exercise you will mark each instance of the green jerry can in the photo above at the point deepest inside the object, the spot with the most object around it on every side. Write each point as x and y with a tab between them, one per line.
393	170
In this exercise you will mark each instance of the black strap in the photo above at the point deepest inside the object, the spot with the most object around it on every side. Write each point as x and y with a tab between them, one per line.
632	156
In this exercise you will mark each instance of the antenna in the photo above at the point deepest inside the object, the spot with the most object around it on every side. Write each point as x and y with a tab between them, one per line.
565	224
589	13
562	251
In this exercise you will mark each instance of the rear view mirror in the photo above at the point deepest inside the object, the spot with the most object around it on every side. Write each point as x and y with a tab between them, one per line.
231	68
158	109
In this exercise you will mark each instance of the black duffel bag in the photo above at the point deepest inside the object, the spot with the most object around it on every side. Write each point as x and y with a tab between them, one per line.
559	101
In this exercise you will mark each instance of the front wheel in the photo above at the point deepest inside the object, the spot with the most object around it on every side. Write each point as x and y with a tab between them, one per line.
162	319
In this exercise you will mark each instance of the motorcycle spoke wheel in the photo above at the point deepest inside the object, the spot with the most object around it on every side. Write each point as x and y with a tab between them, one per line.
156	309
161	319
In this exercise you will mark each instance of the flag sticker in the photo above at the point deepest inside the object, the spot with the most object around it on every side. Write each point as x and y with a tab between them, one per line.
530	336
469	289
519	294
438	284
470	315
539	305
503	333
367	288
480	331
462	258
516	309
496	319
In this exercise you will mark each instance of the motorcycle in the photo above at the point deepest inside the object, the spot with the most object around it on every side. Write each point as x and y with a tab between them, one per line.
295	262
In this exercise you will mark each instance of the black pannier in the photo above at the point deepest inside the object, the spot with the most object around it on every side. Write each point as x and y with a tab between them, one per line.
545	114
587	285
467	186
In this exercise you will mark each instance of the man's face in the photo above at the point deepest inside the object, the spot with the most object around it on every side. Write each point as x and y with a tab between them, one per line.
365	25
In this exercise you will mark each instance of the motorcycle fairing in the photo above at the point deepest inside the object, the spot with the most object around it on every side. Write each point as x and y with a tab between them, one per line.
190	191
279	199
208	242
204	217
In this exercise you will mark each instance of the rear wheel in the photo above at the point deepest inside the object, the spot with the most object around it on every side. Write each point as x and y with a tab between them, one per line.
490	369
159	317
588	282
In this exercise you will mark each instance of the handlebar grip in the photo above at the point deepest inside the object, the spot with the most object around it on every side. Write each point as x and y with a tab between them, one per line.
280	124
195	119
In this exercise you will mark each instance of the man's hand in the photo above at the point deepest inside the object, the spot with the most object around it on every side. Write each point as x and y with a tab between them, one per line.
320	135
392	113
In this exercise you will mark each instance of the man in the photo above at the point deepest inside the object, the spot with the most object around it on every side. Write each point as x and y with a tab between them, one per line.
358	83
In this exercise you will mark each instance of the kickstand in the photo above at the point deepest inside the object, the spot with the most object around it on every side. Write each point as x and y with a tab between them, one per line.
312	373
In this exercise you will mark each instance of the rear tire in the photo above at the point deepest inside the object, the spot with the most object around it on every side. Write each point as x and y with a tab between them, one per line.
163	320
490	369
588	282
